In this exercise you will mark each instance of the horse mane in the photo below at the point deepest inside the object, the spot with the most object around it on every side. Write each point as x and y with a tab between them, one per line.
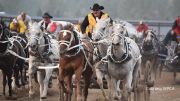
69	27
34	27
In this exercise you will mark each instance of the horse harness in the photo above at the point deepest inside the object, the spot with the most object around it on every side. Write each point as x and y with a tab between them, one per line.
77	47
125	57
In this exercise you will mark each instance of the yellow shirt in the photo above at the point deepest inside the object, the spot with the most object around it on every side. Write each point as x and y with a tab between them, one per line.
78	27
92	21
19	27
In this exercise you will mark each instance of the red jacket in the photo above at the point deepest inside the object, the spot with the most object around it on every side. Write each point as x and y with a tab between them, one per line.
176	28
142	28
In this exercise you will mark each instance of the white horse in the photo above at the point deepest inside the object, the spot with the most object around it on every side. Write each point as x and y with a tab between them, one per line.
124	61
36	58
128	29
128	72
101	40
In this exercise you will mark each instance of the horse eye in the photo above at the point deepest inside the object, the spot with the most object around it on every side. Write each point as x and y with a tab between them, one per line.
103	29
117	44
39	34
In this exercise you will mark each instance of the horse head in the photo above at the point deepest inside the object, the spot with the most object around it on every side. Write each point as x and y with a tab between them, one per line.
101	29
34	37
148	40
119	28
118	46
68	39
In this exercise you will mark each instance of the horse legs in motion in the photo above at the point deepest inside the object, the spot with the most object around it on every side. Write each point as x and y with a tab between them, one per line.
8	75
43	78
100	74
43	82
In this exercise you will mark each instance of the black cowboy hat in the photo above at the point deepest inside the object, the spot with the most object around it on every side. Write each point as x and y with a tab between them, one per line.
47	15
96	6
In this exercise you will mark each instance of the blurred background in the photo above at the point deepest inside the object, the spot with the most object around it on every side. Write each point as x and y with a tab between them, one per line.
164	10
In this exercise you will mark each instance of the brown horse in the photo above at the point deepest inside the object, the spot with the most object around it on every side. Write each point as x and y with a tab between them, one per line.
75	58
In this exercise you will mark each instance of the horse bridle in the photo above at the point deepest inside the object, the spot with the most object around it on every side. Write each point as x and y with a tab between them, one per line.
126	46
38	41
68	43
154	37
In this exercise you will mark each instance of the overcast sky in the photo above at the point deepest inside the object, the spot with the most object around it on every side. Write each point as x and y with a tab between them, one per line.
122	9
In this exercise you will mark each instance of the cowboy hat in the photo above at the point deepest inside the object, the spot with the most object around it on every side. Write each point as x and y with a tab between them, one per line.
47	15
96	7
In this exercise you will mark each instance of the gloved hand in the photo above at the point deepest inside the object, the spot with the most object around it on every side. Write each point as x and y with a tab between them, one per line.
83	36
172	32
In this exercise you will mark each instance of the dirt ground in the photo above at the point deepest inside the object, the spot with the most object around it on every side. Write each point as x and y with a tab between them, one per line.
165	89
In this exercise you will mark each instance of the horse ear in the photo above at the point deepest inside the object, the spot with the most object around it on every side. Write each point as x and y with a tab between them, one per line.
108	20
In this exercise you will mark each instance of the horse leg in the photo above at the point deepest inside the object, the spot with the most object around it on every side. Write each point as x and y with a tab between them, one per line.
62	89
4	82
46	82
115	88
68	81
40	76
78	85
99	76
9	76
87	81
108	79
16	77
136	78
22	74
30	74
128	87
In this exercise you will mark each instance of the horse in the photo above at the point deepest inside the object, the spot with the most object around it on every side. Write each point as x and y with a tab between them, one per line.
173	60
128	29
101	42
37	44
149	51
21	63
75	58
103	34
124	62
8	45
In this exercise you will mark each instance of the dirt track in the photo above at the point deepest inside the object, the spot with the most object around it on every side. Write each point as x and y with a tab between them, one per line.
165	90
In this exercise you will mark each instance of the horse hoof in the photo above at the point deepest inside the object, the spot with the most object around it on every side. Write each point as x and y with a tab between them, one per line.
44	97
11	98
50	85
150	83
116	98
31	95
